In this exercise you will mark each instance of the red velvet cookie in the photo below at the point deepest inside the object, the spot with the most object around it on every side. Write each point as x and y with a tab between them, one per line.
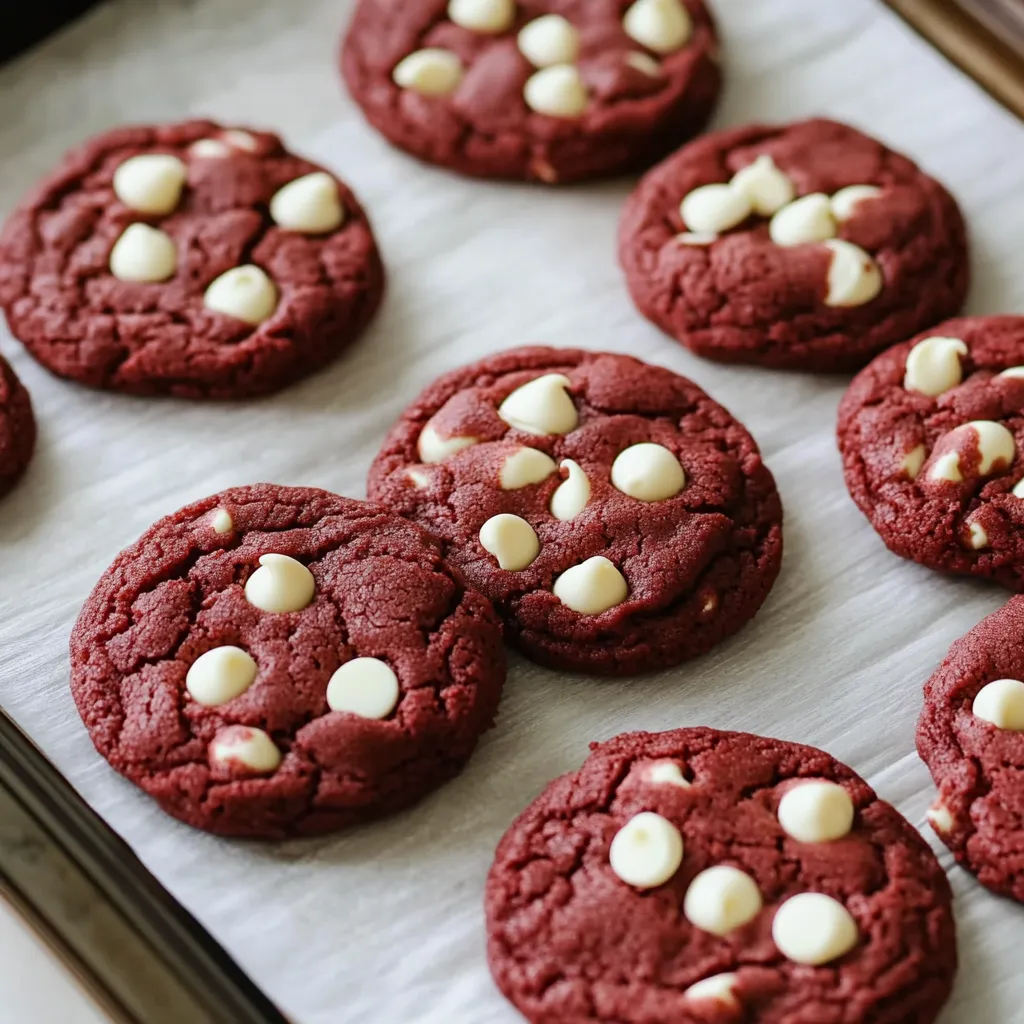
971	736
620	520
189	260
17	428
932	439
542	90
807	246
698	876
276	661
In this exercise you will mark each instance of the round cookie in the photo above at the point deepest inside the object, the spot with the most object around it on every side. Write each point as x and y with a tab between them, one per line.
536	89
696	876
971	736
806	246
276	661
932	439
17	428
620	520
189	260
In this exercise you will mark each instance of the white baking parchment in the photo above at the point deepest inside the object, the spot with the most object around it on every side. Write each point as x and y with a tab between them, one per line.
385	923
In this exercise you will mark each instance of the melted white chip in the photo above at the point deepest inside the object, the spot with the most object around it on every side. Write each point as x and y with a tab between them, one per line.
667	773
549	40
816	812
489	17
913	461
240	139
543	406
221	521
644	63
280	584
434	448
512	541
523	467
718	988
854	278
1001	703
712	209
430	72
367	687
812	928
220	675
571	496
996	450
245	747
591	587
977	536
663	26
150	182
245	293
933	366
557	91
939	818
721	899
767	188
648	472
807	219
143	254
647	851
846	200
310	204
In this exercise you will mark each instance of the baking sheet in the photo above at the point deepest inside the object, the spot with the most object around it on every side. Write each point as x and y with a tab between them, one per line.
385	923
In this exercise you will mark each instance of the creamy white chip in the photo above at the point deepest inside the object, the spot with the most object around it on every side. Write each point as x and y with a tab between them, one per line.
854	278
933	366
648	472
712	209
419	478
430	72
310	204
512	541
767	188
816	812
542	406
696	238
240	139
647	851
718	988
591	587
220	675
432	448
209	149
488	17
807	219
644	63
995	444
939	817
1013	372
221	521
367	687
571	496
812	928
143	254
280	584
1018	489
663	26
1001	703
548	40
721	899
150	182
245	293
557	91
666	773
845	201
525	466
245	747
977	536
913	461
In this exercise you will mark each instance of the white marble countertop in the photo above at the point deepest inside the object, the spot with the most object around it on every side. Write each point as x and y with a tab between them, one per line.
837	656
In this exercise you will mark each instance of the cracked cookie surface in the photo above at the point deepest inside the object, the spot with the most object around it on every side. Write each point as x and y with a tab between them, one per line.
640	531
904	447
570	942
17	428
738	295
64	301
608	101
977	763
253	747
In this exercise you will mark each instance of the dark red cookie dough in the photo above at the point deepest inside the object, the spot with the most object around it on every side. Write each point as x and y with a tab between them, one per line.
82	322
977	766
381	591
745	299
698	565
486	128
974	526
570	942
17	428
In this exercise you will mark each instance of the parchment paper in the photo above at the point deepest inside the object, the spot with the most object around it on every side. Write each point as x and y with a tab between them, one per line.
385	923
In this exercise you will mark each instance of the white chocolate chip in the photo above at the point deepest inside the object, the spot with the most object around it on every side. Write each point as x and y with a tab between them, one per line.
816	812
220	675
1001	703
143	253
549	40
648	472
418	477
939	818
591	587
721	899
667	773
367	687
663	26
245	747
434	448
996	445
718	988
571	496
209	149
309	204
525	466
238	139
946	467
913	461
245	293
1013	372
1018	489
644	63
430	72
557	91
150	182
647	851
489	17
512	541
714	208
933	366
814	929
542	406
281	584
696	238
854	278
845	201
767	188
977	536
807	219
221	521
